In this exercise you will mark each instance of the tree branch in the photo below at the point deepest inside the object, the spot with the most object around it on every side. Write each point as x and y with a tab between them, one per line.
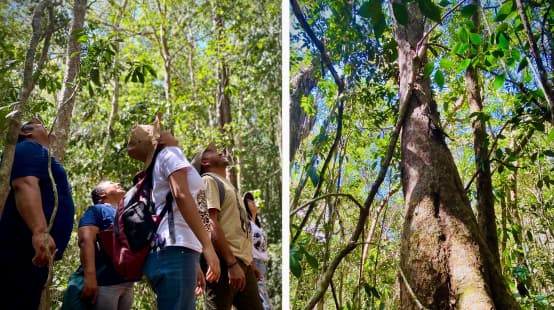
318	43
349	196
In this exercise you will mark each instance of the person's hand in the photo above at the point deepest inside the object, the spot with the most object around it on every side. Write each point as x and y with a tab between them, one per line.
237	278
200	283
256	271
90	289
42	242
214	271
167	139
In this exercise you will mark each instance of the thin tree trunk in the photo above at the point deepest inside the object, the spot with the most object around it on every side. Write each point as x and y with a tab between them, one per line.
166	55
14	122
542	78
445	262
115	97
485	199
69	88
223	102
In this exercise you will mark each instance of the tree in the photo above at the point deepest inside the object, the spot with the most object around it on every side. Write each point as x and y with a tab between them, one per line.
444	259
69	87
507	104
29	81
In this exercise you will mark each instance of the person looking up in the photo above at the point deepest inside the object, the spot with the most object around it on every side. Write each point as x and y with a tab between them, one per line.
103	287
259	247
25	240
172	266
230	235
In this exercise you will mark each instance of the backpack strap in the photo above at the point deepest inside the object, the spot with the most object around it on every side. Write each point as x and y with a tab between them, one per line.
220	186
168	208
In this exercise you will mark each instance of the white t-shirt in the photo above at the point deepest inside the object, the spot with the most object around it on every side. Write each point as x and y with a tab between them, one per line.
259	244
169	160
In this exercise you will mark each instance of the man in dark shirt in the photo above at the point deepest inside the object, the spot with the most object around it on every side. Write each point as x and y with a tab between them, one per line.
102	285
25	241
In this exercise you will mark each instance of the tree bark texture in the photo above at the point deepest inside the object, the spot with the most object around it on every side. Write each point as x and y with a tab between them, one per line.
444	260
300	124
224	116
485	199
14	122
69	88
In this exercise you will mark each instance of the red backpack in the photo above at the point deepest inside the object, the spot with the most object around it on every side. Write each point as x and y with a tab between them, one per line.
128	241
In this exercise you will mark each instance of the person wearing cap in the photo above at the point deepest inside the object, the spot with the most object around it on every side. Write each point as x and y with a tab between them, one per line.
230	235
102	286
259	246
172	266
27	244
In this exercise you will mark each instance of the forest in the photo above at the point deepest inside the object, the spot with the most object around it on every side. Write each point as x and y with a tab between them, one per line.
421	154
91	70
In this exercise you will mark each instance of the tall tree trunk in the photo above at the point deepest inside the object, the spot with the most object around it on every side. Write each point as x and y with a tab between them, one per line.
69	88
166	55
300	124
485	199
224	117
115	97
444	260
28	85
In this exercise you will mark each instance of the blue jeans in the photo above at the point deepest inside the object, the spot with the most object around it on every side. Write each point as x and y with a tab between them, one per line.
171	272
266	302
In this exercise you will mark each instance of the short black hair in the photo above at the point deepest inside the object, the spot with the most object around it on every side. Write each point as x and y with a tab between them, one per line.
27	126
95	194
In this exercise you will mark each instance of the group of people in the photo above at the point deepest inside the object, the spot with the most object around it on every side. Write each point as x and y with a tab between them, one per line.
224	259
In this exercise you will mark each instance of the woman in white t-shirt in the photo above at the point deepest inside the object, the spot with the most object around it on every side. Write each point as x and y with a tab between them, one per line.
259	247
171	268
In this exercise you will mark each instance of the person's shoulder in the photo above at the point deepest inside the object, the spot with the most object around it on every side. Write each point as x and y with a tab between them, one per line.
100	208
28	147
171	151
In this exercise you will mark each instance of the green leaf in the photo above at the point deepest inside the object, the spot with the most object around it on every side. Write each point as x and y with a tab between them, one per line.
516	54
549	153
550	137
314	176
445	63
439	78
95	76
499	81
430	9
464	65
475	38
428	69
42	83
463	34
365	10
522	64
312	261
469	10
504	11
503	41
529	236
373	10
400	13
294	265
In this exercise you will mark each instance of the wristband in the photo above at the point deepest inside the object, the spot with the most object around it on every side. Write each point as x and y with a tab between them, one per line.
233	264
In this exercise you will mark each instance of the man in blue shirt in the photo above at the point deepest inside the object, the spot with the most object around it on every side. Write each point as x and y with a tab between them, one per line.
102	285
25	240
